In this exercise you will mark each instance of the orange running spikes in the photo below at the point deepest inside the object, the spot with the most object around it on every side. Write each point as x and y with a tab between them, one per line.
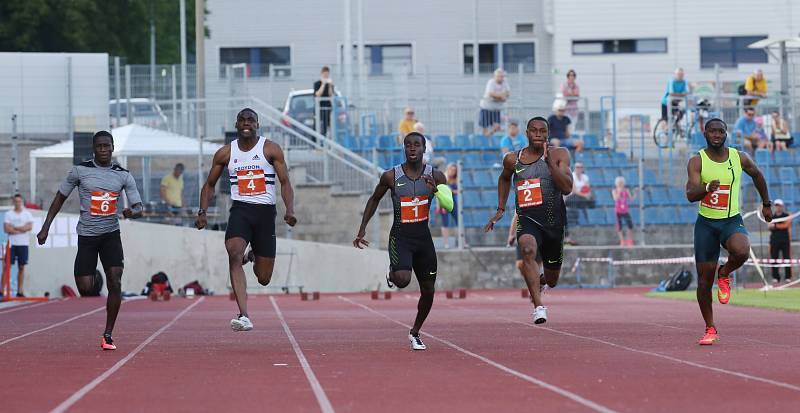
710	337
723	289
107	344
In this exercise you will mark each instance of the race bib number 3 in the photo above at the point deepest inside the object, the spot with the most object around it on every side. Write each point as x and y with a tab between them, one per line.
252	182
717	199
529	192
103	203
413	209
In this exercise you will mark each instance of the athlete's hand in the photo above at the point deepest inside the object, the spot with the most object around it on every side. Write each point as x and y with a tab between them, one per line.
767	213
201	221
127	213
511	240
360	242
490	225
41	237
714	185
290	219
429	182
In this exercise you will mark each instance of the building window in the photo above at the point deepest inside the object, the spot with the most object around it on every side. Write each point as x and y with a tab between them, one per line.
619	46
514	54
730	51
258	59
384	59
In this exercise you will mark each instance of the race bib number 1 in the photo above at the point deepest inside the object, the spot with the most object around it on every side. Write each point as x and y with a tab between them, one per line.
717	199
529	192
251	182
103	203
413	209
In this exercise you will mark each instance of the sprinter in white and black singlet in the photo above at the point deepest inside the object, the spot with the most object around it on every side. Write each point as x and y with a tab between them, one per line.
540	177
252	163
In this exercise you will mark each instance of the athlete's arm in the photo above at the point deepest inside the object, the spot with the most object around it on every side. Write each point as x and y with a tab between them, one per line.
695	190
759	182
512	230
557	161
273	152
384	184
218	165
135	211
503	187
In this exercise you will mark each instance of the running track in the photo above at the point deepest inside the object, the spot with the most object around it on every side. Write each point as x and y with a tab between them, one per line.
605	351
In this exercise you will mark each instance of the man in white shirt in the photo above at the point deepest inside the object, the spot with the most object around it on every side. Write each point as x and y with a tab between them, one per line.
18	224
494	98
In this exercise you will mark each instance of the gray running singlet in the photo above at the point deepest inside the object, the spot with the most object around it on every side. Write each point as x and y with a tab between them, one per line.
536	195
411	200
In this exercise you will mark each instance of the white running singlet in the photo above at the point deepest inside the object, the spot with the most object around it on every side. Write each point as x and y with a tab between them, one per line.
252	177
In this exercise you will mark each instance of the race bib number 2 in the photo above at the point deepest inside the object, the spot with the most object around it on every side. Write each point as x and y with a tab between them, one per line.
529	192
251	182
103	203
413	209
717	199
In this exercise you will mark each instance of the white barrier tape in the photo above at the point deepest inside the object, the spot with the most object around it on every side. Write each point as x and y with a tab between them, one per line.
757	213
764	262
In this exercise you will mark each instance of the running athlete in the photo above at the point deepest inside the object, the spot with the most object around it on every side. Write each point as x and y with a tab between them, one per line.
100	183
413	185
541	177
252	162
512	242
715	179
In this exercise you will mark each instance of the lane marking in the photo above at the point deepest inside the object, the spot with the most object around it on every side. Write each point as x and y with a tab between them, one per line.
60	323
25	307
558	390
319	392
78	395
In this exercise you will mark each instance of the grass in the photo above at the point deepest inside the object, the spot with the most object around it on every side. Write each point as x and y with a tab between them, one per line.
787	299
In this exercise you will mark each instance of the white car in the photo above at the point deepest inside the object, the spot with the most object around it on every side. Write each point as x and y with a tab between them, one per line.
144	111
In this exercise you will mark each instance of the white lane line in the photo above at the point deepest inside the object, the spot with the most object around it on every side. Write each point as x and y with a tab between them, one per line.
25	307
786	346
4	342
555	389
78	395
319	392
664	356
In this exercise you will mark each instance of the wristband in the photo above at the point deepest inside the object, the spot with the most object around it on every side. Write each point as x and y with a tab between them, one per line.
201	212
707	189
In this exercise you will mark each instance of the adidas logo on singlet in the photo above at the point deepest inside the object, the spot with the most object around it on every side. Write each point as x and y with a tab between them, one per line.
255	158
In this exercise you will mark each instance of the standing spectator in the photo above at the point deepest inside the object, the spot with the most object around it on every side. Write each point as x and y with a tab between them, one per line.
622	196
513	141
323	88
780	136
677	89
172	189
450	219
559	124
406	124
571	93
18	224
755	85
494	98
747	132
780	240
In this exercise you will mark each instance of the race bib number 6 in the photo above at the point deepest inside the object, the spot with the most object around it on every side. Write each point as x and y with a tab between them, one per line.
529	192
413	209
717	199
103	203
252	182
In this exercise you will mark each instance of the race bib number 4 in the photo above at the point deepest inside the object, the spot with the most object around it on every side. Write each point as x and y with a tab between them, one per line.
413	209
529	192
717	199
103	203
252	182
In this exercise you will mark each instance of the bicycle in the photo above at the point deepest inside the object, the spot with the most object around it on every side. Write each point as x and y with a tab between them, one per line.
697	113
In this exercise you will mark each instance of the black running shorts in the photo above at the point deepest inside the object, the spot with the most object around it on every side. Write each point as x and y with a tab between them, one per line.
417	253
255	223
107	246
549	242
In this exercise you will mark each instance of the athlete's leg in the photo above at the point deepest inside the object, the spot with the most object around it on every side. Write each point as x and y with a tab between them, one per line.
706	256
114	300
400	278
86	266
706	272
738	247
263	268
20	279
530	268
400	261
425	267
774	252
236	248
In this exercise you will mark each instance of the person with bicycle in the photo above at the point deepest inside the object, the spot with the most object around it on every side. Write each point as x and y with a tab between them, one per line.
677	90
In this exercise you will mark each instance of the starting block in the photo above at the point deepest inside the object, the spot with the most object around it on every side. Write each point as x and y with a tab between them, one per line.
451	294
304	296
525	293
376	295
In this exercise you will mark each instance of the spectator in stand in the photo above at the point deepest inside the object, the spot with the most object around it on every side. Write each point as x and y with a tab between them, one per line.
450	219
780	136
780	240
747	132
755	85
495	96
559	124
406	124
323	88
428	157
513	141
571	93
763	139
172	189
18	223
677	90
622	196
578	200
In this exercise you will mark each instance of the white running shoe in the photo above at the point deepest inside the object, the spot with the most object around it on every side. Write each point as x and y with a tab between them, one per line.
416	342
540	315
241	324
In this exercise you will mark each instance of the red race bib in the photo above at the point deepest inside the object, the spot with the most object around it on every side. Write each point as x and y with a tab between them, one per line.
529	192
413	209
717	199
103	203
251	182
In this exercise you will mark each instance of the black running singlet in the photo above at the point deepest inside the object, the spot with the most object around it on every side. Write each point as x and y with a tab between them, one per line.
536	194
411	200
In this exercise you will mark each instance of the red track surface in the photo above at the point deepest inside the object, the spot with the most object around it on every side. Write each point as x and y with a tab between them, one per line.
610	350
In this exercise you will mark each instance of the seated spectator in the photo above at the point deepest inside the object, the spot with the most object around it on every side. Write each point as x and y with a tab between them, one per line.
755	85
559	124
578	200
762	133
779	134
747	133
172	189
513	141
406	124
428	157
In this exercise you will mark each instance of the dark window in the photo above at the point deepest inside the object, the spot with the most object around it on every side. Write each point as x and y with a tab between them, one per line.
619	46
524	27
730	51
258	59
514	54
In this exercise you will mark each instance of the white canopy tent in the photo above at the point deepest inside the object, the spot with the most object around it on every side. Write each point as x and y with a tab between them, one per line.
779	49
132	140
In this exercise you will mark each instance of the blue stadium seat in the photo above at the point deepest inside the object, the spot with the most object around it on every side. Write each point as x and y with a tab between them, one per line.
603	197
688	214
595	176
387	142
590	141
368	142
492	157
762	158
659	196
462	143
484	179
619	159
783	158
581	157
442	142
481	142
496	139
350	142
472	199
596	216
489	198
650	178
467	180
472	160
787	175
451	156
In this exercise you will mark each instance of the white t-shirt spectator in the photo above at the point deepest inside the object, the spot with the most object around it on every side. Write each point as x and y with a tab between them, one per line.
492	86
580	184
18	219
428	155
